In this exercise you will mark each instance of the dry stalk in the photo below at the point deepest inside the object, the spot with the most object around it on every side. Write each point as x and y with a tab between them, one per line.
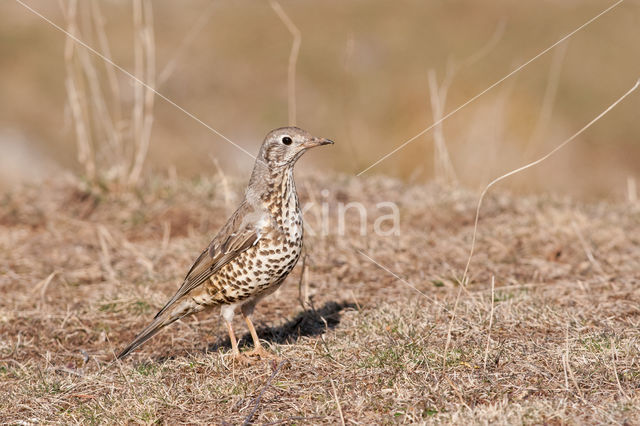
228	194
131	76
551	90
43	286
256	403
615	369
567	365
450	326
137	113
457	392
144	54
486	351
335	395
166	235
464	280
489	45
99	110
492	86
535	163
103	40
632	190
191	36
105	239
303	284
443	167
140	257
73	86
97	118
293	58
587	250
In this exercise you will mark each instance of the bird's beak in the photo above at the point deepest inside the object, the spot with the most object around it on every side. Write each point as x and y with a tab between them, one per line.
317	142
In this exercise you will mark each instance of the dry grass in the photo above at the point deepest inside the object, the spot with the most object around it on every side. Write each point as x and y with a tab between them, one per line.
111	148
365	84
81	272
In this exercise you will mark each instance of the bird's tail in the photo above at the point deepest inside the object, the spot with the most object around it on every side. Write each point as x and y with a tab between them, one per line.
168	316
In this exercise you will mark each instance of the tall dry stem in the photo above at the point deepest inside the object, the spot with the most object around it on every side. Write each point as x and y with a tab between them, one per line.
111	147
73	86
186	42
632	190
550	92
533	164
443	167
144	49
112	78
293	58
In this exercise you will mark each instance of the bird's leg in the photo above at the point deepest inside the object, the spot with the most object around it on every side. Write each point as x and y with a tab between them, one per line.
234	342
234	345
257	346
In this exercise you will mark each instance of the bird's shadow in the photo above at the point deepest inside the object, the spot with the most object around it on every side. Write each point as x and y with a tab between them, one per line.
311	322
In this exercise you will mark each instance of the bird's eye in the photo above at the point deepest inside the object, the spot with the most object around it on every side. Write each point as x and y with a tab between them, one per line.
286	140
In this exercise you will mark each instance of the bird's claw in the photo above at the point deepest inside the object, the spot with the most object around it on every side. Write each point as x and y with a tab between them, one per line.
241	359
245	359
261	353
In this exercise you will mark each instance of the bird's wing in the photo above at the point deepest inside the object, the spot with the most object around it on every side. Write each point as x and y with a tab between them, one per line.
241	232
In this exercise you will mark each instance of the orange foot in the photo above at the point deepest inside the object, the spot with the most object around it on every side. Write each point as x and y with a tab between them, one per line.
241	359
261	353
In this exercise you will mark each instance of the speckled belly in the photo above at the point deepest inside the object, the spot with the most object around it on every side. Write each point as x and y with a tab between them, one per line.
261	266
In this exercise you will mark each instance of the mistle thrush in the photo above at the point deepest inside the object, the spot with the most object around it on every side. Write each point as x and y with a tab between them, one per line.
254	251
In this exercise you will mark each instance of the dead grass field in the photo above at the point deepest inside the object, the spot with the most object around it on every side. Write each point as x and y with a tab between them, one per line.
81	272
365	84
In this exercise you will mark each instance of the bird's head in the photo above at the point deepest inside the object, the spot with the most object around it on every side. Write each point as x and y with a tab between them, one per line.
282	147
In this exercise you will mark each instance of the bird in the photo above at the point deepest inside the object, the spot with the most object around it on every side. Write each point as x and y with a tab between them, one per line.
252	254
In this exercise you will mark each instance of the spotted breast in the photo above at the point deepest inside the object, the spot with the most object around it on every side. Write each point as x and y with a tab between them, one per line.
263	267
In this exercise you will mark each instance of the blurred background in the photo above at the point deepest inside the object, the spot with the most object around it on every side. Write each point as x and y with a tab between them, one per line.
370	75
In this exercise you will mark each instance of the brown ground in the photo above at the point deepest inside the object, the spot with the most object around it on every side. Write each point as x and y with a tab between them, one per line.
81	272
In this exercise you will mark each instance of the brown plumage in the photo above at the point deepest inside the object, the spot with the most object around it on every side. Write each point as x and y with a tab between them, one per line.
254	251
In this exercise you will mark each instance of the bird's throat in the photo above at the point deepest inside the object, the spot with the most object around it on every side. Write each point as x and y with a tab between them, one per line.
280	192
